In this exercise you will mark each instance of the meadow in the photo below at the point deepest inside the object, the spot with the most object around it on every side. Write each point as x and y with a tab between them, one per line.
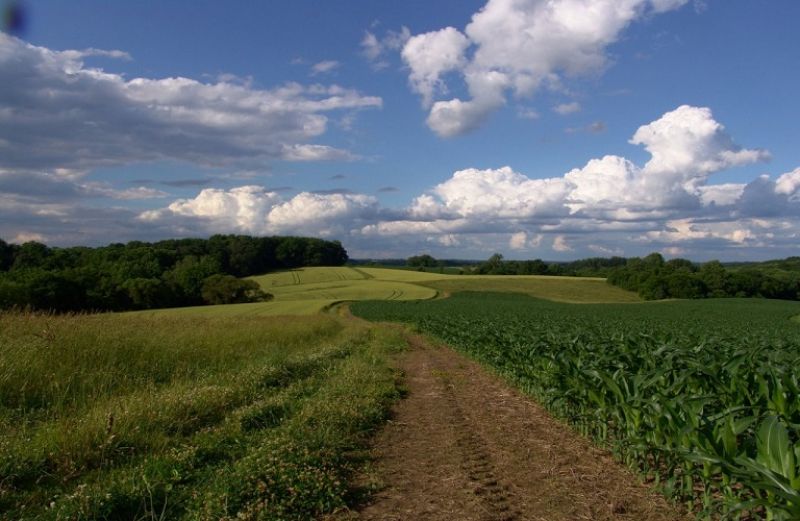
129	416
306	291
573	290
702	397
262	410
208	412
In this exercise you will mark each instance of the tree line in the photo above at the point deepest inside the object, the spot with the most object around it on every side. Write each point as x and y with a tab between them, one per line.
496	265
142	275
654	278
591	267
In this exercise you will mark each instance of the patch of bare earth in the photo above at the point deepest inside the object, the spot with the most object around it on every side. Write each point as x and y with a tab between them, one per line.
464	446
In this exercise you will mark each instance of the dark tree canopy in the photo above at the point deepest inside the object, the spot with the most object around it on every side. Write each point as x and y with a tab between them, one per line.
227	289
140	275
592	267
422	261
653	278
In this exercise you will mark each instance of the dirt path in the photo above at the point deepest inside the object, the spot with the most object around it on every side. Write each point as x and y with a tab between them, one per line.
464	446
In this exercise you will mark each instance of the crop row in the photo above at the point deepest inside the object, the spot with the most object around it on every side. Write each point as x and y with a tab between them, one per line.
702	397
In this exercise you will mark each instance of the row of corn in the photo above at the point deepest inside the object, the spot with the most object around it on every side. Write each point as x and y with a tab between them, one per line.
702	397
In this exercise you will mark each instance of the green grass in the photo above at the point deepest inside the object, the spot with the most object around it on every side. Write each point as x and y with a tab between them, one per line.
371	289
308	291
701	396
272	281
559	289
132	416
272	308
403	275
337	284
446	270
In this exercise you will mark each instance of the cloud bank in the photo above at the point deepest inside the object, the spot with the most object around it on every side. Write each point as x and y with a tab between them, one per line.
667	203
257	210
59	115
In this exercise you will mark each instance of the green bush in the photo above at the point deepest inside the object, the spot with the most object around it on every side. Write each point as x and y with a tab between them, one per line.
227	289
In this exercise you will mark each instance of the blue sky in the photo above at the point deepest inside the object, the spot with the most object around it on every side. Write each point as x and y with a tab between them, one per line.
557	130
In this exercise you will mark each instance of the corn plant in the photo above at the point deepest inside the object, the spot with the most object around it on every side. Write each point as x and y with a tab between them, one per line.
701	396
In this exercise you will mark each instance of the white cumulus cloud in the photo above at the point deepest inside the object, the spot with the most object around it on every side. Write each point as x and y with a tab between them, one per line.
257	210
667	199
518	241
686	145
491	194
789	184
432	54
560	244
518	46
523	240
690	139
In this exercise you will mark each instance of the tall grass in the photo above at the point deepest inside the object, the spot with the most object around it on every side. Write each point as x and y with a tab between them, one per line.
134	416
59	363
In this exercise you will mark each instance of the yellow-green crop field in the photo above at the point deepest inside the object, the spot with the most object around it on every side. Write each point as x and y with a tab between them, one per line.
308	291
571	290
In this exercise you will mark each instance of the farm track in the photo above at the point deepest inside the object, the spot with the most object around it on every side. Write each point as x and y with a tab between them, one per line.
395	295
463	445
363	274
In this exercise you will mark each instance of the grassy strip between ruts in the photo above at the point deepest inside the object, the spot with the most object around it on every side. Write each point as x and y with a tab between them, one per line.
138	417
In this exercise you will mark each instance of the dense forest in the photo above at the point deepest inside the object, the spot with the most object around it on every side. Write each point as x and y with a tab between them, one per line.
140	275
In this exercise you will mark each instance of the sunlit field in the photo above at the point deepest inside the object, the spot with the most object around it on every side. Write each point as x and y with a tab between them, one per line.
136	417
307	291
701	396
311	290
337	284
559	289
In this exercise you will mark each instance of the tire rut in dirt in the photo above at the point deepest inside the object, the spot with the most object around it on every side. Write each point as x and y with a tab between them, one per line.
464	446
483	478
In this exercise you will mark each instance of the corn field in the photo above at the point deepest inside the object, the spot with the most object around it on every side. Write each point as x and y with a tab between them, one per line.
702	397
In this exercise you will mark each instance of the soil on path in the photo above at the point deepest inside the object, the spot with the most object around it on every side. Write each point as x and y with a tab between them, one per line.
464	446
